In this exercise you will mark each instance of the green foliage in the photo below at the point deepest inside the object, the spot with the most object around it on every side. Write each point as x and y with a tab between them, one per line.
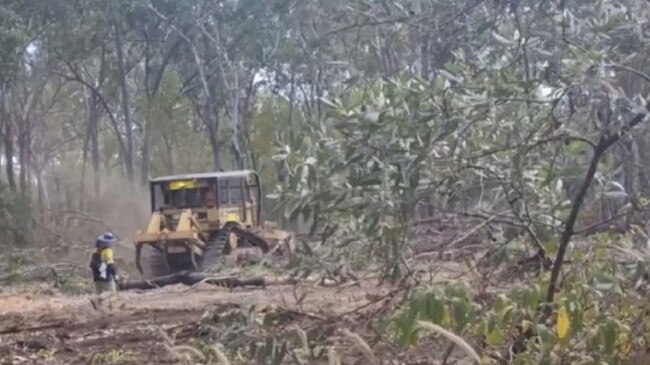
447	306
505	128
263	335
111	357
46	354
607	319
10	41
368	165
361	113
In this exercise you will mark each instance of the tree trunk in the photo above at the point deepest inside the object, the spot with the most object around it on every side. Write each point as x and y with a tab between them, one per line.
246	114
213	130
40	192
212	121
144	150
235	121
84	150
169	162
128	154
94	142
23	154
9	154
4	116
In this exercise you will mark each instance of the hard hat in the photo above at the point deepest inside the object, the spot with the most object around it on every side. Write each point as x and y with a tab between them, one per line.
105	240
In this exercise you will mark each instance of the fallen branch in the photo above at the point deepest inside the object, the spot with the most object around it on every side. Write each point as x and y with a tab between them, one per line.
298	313
189	279
386	298
471	232
440	252
457	340
596	227
17	329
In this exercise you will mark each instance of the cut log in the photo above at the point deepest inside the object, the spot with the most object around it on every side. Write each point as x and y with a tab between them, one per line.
190	278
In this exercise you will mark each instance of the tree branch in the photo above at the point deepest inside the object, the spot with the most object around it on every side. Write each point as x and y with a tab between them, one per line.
632	70
100	97
604	143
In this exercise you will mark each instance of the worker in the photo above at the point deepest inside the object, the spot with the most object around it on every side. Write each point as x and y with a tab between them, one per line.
102	265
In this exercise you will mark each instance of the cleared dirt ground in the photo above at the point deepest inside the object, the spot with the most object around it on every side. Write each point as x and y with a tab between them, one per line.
39	326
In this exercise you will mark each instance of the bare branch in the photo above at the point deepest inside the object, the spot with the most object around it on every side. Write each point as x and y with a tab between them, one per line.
632	70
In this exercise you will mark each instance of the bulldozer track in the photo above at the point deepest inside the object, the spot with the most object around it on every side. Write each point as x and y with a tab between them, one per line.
251	238
158	263
214	250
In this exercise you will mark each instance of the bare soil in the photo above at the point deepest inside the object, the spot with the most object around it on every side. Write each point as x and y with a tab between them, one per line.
45	327
39	325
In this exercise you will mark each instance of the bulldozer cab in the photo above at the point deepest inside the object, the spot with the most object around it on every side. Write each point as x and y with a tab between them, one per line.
215	199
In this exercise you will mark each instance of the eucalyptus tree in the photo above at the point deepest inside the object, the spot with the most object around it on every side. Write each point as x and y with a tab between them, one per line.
504	129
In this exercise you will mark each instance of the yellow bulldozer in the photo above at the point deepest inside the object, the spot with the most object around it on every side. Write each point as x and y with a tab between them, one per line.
198	218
